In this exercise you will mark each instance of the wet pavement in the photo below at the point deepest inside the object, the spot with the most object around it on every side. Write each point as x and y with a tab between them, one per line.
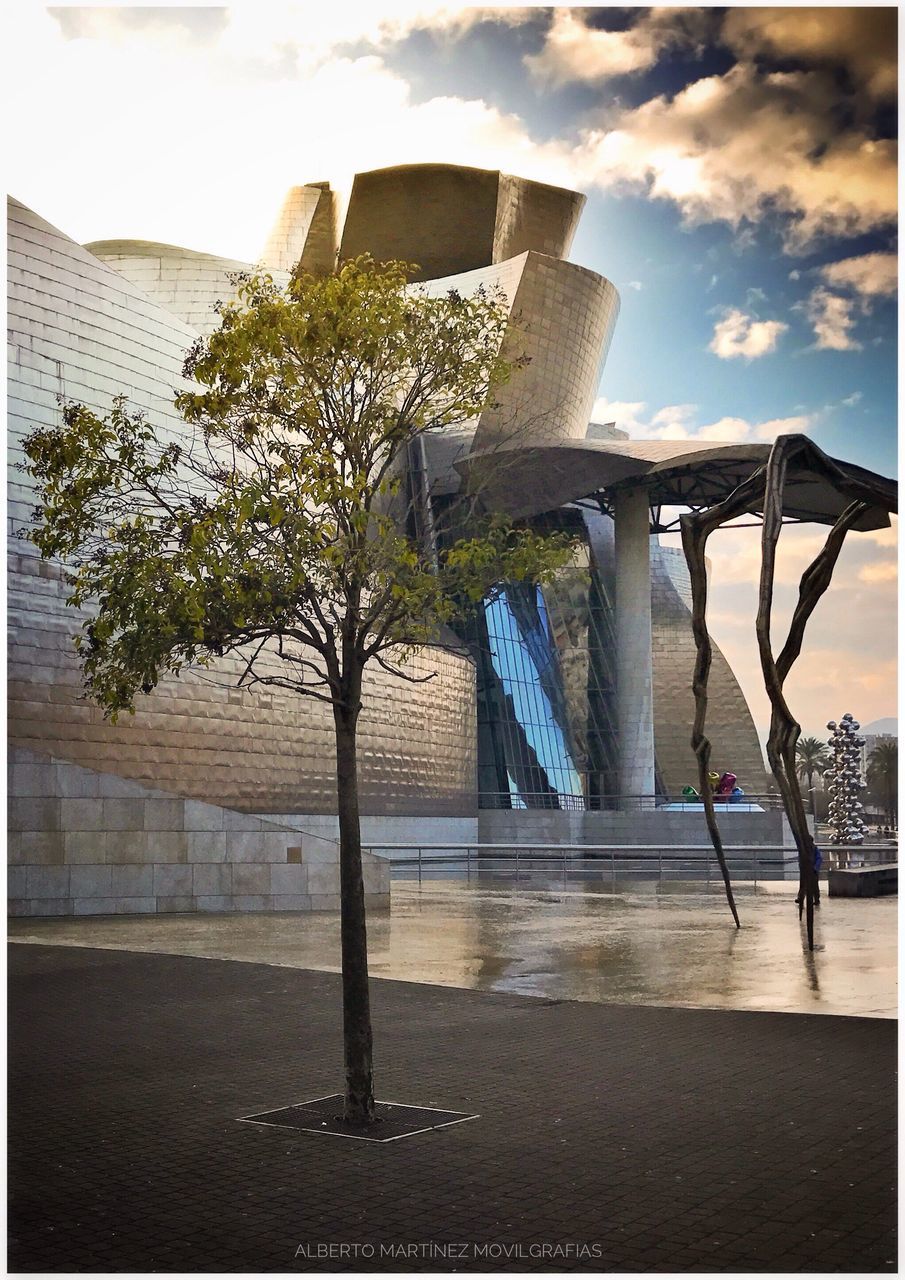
627	1138
640	943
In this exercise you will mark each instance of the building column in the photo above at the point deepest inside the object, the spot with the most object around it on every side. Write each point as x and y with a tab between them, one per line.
634	659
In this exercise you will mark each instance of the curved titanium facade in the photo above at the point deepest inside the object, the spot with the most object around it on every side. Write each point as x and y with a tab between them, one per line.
305	231
184	283
541	719
730	728
563	319
81	330
447	219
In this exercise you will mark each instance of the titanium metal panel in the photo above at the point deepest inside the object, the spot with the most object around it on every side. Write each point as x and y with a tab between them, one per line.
448	219
730	727
79	329
185	283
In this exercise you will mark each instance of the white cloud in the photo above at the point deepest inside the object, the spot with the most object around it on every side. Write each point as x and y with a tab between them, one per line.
737	147
207	167
575	51
870	275
633	284
799	424
740	335
855	398
268	100
879	571
679	422
276	32
673	413
831	318
628	415
856	284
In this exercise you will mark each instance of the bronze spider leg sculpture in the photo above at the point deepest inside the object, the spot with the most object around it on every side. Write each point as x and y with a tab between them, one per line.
784	729
695	531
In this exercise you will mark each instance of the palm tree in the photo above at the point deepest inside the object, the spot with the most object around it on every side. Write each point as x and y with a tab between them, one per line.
883	774
812	757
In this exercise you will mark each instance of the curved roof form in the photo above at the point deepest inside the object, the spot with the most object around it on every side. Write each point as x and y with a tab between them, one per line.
184	282
450	218
693	473
562	318
305	231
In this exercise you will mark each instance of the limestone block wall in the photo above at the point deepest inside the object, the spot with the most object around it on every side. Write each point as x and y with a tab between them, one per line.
181	281
381	833
88	843
81	330
520	827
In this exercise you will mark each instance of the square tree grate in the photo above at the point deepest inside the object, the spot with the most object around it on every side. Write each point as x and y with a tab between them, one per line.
393	1120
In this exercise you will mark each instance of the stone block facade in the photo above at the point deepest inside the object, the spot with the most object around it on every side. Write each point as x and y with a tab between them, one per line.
89	843
624	827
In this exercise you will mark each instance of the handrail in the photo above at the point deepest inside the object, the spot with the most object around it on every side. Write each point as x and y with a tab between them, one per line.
666	859
568	801
703	848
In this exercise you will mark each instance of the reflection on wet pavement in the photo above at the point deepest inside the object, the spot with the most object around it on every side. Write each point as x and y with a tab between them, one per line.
642	943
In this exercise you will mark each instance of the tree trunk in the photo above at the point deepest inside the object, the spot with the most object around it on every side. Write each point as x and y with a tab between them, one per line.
359	1099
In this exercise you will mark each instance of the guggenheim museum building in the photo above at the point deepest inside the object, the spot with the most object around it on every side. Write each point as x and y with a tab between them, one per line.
564	714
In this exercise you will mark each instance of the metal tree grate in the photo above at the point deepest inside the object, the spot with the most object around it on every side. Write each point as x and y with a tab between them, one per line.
393	1120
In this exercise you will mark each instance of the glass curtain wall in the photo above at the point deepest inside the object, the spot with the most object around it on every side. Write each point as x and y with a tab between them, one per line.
546	716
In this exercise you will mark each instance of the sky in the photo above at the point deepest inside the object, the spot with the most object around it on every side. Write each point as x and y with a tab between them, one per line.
740	169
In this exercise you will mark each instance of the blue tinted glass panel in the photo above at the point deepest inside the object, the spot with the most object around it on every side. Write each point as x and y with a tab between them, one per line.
523	655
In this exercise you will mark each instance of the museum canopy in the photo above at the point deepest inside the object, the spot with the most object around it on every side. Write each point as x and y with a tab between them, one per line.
527	481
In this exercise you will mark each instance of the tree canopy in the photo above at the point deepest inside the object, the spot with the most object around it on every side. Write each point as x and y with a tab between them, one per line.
812	757
277	527
274	527
883	776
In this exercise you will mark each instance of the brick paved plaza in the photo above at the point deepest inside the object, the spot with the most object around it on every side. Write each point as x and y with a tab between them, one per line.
663	1139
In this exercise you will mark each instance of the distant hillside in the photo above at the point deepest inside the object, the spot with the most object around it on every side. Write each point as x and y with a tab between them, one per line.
889	724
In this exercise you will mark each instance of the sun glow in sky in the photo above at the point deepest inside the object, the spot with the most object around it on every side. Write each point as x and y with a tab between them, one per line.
740	167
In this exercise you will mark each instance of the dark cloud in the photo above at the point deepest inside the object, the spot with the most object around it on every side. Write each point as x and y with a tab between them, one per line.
863	41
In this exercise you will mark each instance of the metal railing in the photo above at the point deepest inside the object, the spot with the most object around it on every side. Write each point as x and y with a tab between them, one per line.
841	856
571	802
639	861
